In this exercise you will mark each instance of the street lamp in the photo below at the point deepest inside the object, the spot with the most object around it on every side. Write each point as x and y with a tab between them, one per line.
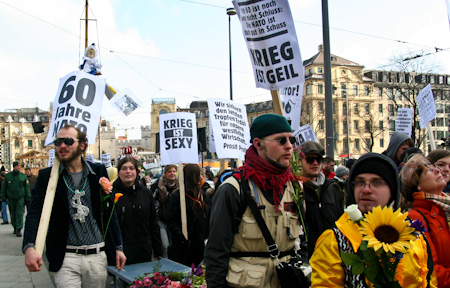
230	12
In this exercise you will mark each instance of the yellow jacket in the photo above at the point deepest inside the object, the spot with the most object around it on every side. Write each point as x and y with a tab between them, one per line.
326	263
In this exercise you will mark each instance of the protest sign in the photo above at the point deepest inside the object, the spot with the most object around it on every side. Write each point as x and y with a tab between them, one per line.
269	31
404	120
230	127
125	102
426	105
178	138
106	159
291	97
51	157
212	144
78	102
305	133
90	158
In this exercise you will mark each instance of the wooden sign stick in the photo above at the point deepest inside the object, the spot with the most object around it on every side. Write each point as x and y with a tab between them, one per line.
47	207
182	201
276	101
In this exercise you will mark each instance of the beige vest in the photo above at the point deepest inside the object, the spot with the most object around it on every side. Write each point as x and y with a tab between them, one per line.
284	227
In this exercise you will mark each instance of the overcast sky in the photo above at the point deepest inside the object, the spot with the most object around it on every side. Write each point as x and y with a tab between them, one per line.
179	48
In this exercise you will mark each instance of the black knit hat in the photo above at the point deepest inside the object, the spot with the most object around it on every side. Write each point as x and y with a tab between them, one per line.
377	164
268	124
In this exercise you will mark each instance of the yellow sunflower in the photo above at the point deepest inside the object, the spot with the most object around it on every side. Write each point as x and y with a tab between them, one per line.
384	228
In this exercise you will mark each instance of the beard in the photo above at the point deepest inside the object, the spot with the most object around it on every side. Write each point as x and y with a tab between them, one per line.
70	157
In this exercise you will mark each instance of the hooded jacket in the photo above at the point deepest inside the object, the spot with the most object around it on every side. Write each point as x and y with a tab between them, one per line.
138	222
396	141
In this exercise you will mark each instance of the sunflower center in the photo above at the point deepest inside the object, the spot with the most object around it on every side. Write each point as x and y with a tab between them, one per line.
386	234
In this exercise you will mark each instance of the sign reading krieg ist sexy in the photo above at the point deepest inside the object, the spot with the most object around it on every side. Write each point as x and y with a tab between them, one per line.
78	102
178	138
230	128
269	32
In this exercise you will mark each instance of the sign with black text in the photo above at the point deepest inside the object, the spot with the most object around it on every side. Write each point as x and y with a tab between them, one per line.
106	159
305	133
51	157
291	98
78	102
426	105
178	138
269	32
404	120
230	128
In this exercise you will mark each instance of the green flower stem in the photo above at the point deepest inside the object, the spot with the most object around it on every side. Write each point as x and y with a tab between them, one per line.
109	220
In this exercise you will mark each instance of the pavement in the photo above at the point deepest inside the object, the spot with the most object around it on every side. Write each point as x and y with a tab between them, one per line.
13	272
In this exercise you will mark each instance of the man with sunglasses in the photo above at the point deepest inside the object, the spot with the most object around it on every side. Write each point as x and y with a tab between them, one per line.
373	181
236	253
76	249
323	198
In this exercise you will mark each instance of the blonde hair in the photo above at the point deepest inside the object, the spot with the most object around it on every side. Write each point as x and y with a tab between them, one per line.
410	175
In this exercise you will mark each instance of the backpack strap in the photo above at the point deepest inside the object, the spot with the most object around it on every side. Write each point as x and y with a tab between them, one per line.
430	262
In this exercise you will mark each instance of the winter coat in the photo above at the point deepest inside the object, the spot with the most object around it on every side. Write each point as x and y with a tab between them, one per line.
438	236
326	263
138	222
15	186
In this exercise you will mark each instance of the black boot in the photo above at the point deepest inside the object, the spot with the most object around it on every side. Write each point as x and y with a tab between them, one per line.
15	231
18	233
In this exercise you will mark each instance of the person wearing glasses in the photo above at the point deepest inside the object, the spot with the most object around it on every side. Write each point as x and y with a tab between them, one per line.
16	189
422	183
236	253
324	199
76	249
373	182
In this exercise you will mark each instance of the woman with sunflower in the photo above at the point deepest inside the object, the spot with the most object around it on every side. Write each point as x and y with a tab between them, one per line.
422	184
373	187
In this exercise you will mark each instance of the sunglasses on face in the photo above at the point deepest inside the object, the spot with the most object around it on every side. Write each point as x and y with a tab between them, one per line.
68	141
310	159
283	140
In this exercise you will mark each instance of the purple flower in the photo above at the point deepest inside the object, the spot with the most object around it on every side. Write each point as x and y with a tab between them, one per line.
199	271
398	255
417	224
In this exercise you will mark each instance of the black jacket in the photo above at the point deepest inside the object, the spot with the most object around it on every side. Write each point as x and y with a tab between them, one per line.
138	222
58	229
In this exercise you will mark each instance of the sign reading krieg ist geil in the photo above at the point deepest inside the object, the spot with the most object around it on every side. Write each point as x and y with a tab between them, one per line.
230	128
272	43
78	102
178	138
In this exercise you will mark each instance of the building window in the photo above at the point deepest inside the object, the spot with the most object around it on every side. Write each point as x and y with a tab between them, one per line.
390	93
407	94
384	77
439	108
30	143
431	79
423	79
308	89
343	90
345	143
321	107
320	89
380	108
367	126
441	80
366	90
356	125
380	92
321	125
319	70
356	145
356	108
367	108
381	125
16	143
447	108
345	127
391	125
310	71
308	108
440	122
355	90
401	78
381	143
375	76
399	95
344	108
367	140
391	109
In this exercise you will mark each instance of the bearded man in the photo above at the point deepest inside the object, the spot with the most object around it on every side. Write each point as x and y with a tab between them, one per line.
75	242
236	250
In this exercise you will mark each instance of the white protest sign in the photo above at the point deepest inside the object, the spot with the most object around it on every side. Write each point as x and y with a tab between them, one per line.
125	102
426	105
106	160
305	133
51	157
404	120
78	102
90	158
291	97
268	30
212	144
178	138
230	127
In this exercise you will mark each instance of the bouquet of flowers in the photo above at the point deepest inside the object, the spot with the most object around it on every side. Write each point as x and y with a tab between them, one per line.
195	278
105	193
386	238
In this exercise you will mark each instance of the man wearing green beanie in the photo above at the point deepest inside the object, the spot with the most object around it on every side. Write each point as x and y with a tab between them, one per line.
236	250
15	187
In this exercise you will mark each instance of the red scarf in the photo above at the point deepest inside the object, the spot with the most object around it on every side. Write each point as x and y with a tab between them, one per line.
265	175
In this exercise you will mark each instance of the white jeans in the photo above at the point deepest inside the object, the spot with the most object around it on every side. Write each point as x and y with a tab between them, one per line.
86	271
